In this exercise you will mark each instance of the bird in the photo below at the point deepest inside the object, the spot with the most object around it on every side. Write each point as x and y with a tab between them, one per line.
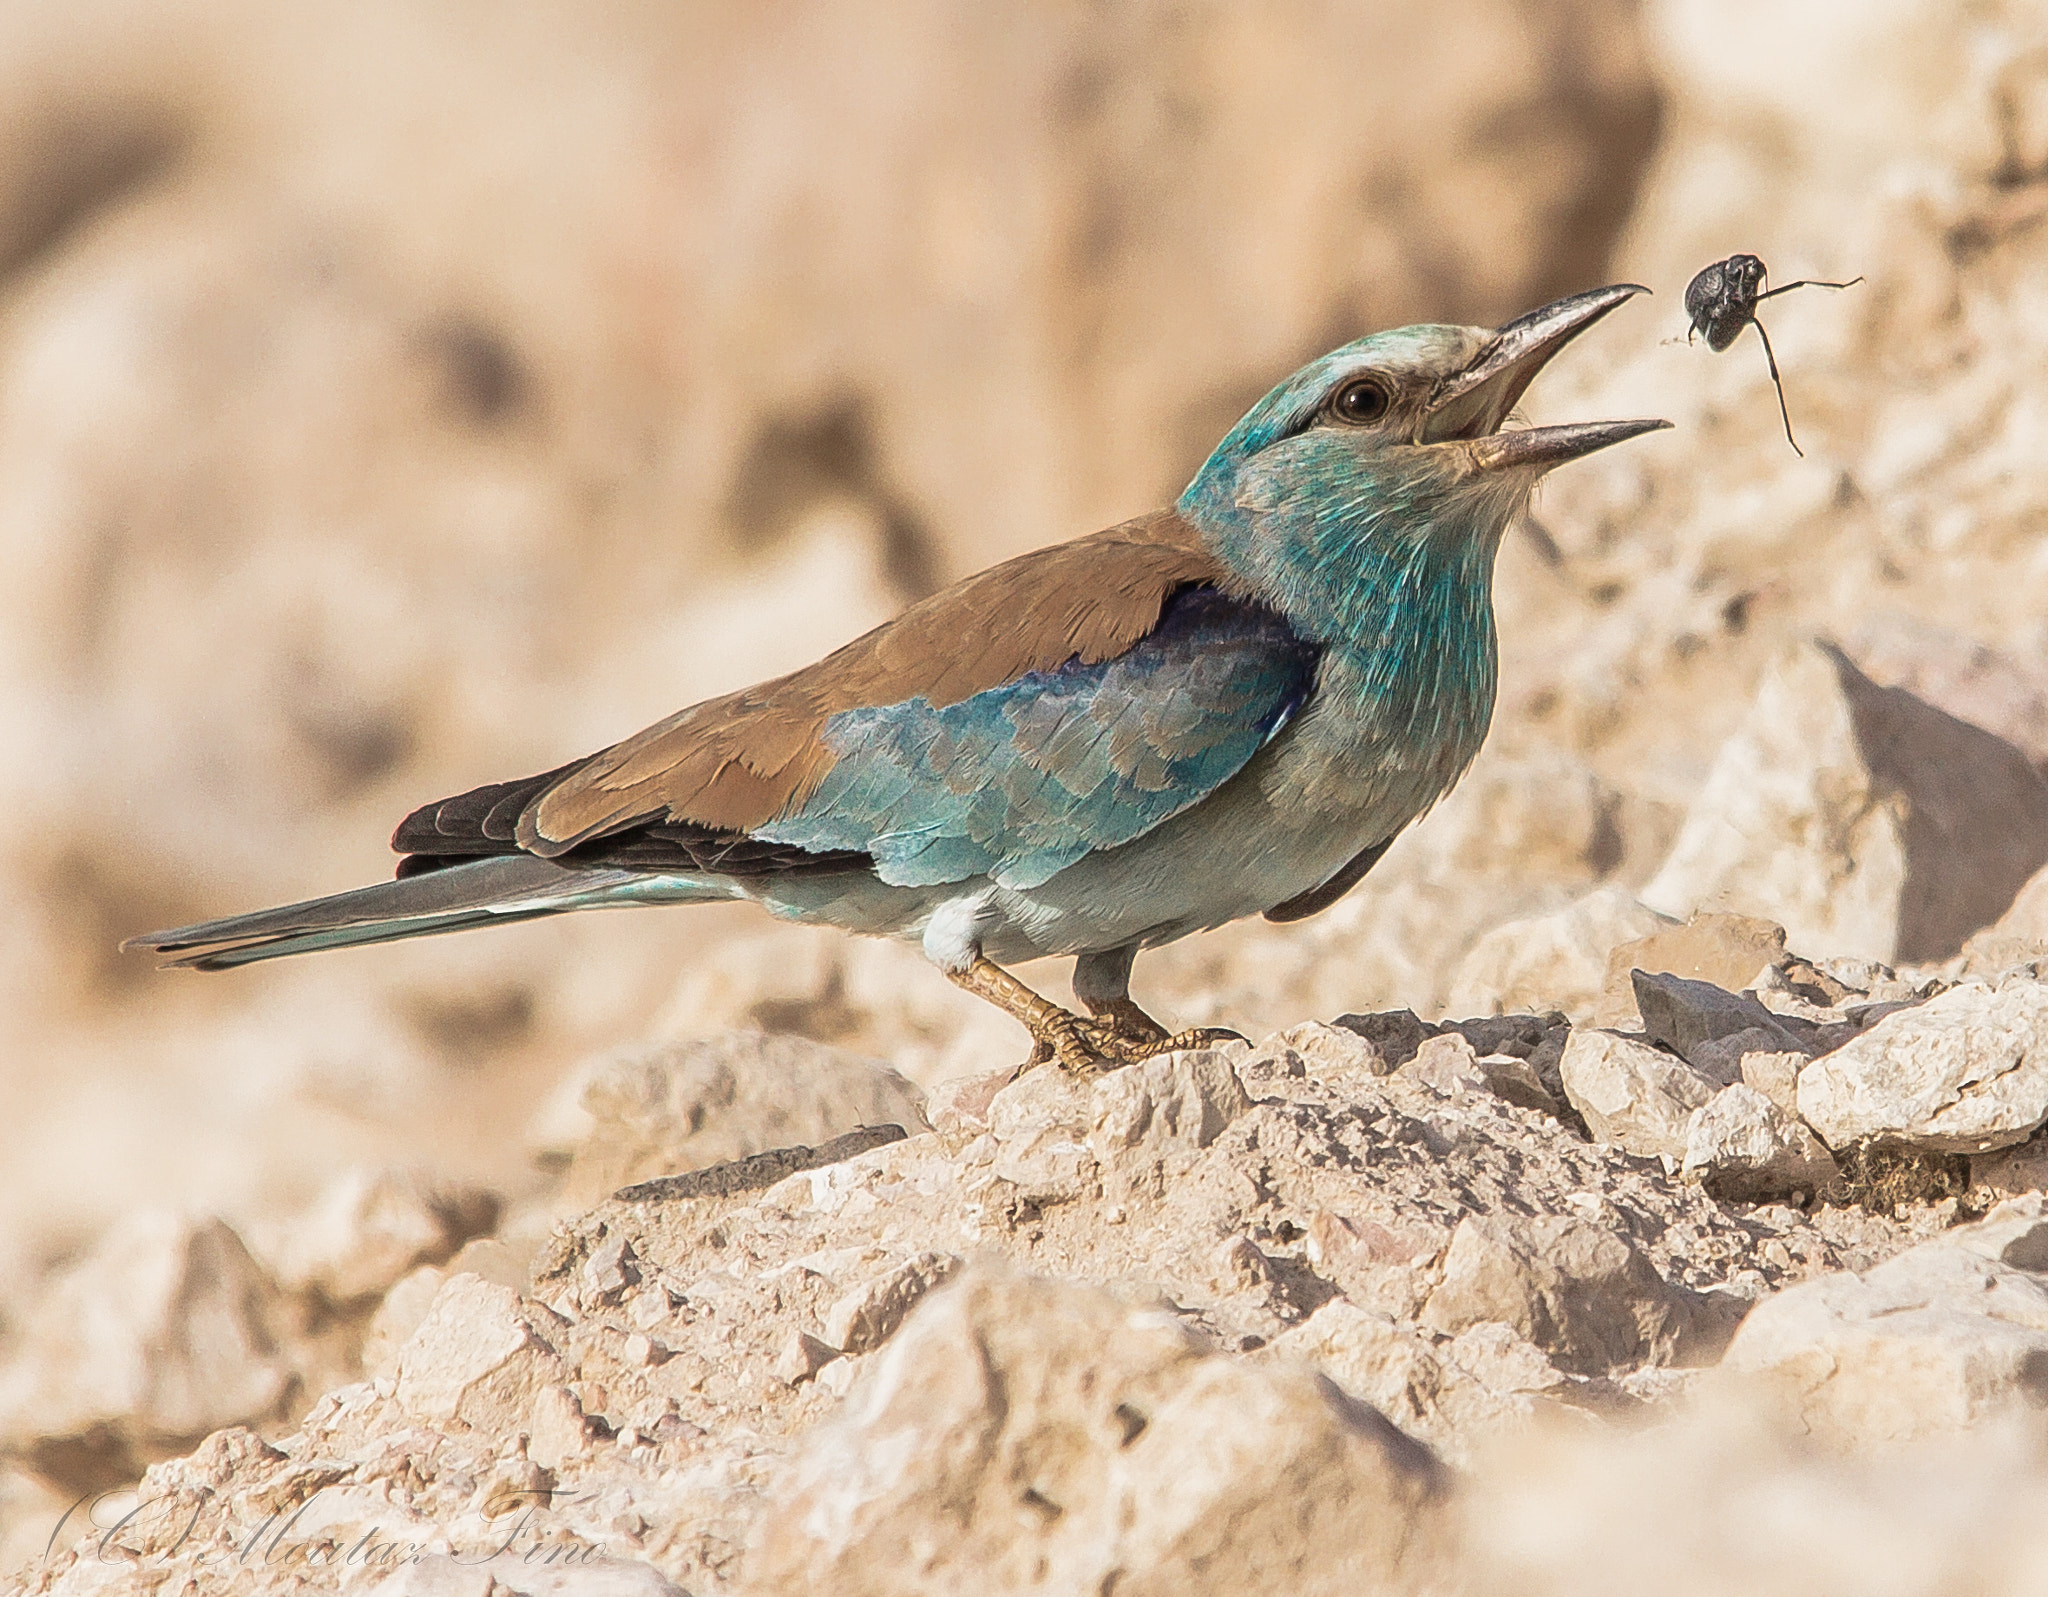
1230	707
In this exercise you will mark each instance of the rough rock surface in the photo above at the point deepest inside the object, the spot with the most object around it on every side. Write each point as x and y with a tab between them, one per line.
1966	1072
1837	811
1069	1441
1944	1336
681	1106
1632	1093
1741	1145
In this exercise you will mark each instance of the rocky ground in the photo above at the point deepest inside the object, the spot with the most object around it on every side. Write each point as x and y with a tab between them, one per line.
1369	1304
1656	1203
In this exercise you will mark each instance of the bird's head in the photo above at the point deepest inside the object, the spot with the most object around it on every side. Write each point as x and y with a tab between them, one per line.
1397	437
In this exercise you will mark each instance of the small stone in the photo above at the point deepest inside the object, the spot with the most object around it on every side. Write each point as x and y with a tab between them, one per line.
802	1356
958	1107
1776	1076
1683	1014
1632	1095
1241	1267
1742	1147
1448	1064
1326	1048
1177	1102
1580	1292
558	1431
610	1269
1965	1072
866	1318
1720	1058
1394	1033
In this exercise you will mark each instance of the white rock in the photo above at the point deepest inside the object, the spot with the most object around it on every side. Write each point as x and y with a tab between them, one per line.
1743	1147
1944	1336
478	1356
687	1105
1776	1076
1965	1072
1553	961
1864	820
1632	1095
1021	1435
1170	1103
166	1330
1579	1291
1451	1065
864	1319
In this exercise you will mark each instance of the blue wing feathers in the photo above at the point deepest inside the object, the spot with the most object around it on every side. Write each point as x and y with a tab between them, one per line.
1021	780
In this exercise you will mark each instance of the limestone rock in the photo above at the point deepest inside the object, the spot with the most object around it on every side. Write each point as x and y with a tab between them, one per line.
2018	936
863	1320
1580	1292
1726	950
1684	1015
168	1329
372	1226
1171	1102
1743	1147
958	1106
1484	1382
1941	1337
1965	1072
1776	1076
480	1356
1864	820
1449	1064
1633	1095
1047	1437
1326	1048
1553	961
686	1105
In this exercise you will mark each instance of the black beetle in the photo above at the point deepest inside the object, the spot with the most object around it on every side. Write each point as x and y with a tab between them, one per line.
1722	300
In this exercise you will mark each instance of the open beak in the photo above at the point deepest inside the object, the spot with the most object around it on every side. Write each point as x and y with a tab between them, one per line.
1473	403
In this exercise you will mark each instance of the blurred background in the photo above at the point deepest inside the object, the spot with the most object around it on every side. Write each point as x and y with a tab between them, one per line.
405	394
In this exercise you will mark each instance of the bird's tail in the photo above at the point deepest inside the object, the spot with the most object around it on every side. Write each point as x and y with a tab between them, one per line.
484	892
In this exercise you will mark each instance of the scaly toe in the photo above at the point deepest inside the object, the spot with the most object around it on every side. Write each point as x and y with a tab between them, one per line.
1184	1041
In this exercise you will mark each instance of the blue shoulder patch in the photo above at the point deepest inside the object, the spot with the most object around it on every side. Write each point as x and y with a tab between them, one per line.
1020	781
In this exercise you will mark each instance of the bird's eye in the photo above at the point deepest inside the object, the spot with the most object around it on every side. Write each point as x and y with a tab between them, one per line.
1361	403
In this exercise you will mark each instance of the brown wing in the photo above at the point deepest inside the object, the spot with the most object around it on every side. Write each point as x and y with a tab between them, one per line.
732	764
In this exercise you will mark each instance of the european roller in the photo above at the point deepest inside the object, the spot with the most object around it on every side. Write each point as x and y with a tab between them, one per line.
1228	708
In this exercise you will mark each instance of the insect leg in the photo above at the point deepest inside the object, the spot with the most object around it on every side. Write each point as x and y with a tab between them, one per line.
1778	384
1808	282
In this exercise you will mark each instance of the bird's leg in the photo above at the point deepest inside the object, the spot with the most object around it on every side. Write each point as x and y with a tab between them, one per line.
1102	981
1056	1033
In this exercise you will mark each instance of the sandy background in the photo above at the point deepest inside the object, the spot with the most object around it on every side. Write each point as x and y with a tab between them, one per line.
395	397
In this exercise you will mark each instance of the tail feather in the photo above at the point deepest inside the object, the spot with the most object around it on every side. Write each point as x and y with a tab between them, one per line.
477	893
